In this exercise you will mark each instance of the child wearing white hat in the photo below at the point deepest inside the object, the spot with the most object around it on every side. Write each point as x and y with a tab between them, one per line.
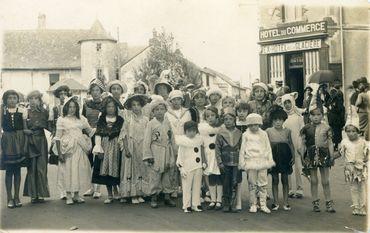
255	158
176	113
355	151
215	98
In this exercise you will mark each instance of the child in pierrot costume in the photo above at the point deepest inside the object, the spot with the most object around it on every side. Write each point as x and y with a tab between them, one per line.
191	161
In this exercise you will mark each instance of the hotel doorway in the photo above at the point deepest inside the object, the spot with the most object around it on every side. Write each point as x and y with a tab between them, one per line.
294	75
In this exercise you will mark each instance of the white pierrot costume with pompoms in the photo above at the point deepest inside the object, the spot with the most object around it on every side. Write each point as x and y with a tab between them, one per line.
209	134
189	155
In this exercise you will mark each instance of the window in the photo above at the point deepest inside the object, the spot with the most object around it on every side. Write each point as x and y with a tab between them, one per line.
117	74
207	80
53	78
99	73
98	47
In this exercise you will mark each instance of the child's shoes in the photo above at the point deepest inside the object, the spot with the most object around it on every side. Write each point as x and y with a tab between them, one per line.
154	201
362	211
187	210
316	205
218	206
141	200
134	200
197	209
11	204
329	207
287	207
211	206
17	202
89	192
265	209
299	194
274	207
96	195
69	201
253	209
108	201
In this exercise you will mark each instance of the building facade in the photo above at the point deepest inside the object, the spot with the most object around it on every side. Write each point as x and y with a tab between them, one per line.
39	58
298	40
212	79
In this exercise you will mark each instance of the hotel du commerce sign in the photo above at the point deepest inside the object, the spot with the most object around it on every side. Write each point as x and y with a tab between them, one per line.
271	39
299	30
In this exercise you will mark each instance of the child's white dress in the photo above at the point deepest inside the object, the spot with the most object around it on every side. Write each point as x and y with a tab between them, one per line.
209	134
75	146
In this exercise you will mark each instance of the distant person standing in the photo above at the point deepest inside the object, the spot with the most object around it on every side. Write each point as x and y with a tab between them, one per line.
336	114
363	105
279	91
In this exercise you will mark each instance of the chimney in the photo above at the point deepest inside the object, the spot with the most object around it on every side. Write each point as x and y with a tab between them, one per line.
41	21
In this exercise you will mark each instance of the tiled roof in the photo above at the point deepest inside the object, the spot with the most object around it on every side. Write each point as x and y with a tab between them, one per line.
42	49
97	32
55	48
222	76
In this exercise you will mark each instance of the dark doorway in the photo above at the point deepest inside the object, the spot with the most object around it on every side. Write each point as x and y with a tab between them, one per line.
294	76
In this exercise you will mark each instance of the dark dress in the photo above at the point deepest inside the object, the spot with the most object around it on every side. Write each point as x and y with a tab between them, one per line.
316	139
336	115
281	150
13	140
36	184
109	134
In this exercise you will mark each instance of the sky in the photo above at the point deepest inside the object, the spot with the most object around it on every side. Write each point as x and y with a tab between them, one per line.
221	34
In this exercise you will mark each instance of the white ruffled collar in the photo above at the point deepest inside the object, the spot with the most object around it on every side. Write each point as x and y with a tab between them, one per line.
206	129
183	140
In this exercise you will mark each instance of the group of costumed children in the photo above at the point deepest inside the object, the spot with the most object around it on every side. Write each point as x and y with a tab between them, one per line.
150	147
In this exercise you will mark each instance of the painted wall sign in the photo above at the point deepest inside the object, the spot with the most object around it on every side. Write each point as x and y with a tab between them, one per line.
292	46
293	30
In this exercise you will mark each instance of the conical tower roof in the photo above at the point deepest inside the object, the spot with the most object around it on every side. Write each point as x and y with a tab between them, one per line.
97	32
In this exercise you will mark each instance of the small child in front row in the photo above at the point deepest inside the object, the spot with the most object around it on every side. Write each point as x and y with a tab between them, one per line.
12	139
255	158
228	142
282	152
191	161
242	111
209	130
356	152
318	153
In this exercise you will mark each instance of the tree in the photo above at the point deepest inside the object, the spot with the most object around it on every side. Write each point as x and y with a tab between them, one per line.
164	55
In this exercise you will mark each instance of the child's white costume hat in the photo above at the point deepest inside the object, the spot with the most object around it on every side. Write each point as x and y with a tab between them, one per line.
157	100
75	97
162	81
117	82
254	119
353	121
175	94
200	91
215	90
260	84
141	83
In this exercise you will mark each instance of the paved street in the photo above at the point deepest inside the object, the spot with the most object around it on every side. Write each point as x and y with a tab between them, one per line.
94	215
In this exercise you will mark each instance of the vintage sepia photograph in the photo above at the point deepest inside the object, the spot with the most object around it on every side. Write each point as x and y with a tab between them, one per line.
184	116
